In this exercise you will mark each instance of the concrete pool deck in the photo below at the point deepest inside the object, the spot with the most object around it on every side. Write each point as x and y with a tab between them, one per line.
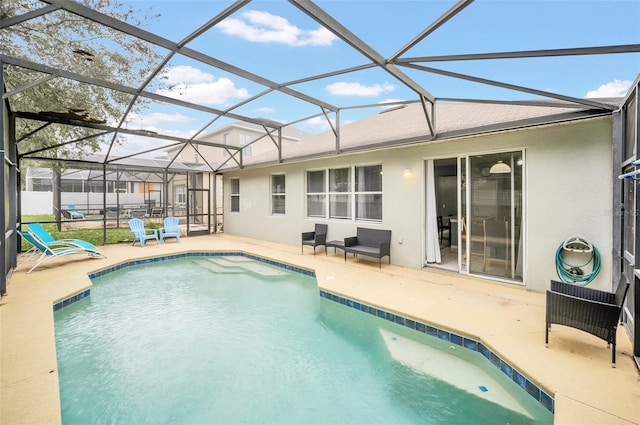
576	369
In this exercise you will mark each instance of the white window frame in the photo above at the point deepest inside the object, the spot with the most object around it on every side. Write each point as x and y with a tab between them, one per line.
322	194
365	193
338	194
277	193
235	195
180	194
226	140
329	194
245	143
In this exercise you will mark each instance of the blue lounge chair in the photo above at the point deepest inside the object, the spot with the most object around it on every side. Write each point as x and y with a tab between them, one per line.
47	238
171	229
74	213
140	234
42	251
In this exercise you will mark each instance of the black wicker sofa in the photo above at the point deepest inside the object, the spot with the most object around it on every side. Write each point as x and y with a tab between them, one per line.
370	242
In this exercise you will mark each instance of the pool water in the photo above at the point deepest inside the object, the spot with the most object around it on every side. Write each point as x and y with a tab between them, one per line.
230	340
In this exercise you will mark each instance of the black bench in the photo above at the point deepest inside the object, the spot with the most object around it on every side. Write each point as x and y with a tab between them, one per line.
370	242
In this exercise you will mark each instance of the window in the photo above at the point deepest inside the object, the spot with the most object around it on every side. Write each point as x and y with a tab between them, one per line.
69	185
316	195
369	193
96	187
180	194
350	193
226	139
116	186
278	194
41	185
245	140
340	193
235	195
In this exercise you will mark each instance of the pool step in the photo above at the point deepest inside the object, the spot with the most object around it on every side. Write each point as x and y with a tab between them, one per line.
451	369
218	268
239	265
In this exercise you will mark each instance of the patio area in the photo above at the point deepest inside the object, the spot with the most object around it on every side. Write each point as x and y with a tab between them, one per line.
575	369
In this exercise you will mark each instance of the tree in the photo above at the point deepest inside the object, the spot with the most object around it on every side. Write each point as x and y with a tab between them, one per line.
66	41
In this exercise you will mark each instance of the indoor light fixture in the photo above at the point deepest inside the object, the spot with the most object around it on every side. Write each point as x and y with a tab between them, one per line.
500	168
407	172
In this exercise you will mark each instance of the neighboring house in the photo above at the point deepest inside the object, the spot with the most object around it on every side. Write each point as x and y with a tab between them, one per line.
40	179
253	139
84	190
141	187
556	180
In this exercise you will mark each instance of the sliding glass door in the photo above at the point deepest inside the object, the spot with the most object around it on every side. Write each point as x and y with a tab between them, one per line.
491	196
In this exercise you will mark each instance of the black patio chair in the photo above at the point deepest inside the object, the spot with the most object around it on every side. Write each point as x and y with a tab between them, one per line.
442	227
590	310
316	238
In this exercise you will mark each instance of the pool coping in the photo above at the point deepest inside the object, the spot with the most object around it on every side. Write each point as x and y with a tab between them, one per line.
470	342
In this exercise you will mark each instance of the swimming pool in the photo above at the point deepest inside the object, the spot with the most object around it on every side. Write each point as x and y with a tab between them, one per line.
232	340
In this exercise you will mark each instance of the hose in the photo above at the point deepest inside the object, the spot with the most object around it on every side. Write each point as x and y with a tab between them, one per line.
571	273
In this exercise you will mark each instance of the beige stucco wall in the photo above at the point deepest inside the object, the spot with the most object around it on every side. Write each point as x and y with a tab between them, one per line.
568	190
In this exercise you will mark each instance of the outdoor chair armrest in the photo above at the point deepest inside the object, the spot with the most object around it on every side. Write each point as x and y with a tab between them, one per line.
321	238
385	248
351	241
307	236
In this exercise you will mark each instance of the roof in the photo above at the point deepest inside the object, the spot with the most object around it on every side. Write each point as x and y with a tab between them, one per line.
406	125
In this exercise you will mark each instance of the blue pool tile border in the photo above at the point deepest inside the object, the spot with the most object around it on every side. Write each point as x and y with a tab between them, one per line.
70	300
474	345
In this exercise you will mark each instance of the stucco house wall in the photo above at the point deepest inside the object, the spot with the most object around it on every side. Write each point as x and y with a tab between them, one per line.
568	190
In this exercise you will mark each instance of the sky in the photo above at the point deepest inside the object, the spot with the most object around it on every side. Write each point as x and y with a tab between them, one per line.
275	40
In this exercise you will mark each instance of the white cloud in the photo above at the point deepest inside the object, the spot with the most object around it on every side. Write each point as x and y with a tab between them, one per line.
615	88
154	122
356	89
383	103
192	85
185	74
266	110
134	143
320	123
263	27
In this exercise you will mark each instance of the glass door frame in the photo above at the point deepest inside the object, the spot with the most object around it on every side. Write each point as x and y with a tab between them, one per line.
465	211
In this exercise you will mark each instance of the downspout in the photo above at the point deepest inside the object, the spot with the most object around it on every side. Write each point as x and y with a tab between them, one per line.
337	131
279	148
